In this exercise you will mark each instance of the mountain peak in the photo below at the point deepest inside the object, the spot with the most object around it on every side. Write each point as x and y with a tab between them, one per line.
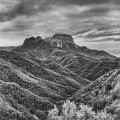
63	37
32	41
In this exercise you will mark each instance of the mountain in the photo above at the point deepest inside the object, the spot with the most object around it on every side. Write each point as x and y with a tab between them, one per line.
33	43
42	72
69	45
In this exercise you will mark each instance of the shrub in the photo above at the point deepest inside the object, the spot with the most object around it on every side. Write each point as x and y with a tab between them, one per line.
41	115
71	112
53	114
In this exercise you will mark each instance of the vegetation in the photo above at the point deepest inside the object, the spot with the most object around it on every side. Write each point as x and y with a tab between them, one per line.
81	112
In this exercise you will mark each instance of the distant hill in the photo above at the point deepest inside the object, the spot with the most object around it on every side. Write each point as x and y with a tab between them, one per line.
7	48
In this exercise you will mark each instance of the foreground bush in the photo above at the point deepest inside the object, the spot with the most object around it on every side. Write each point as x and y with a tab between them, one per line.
71	112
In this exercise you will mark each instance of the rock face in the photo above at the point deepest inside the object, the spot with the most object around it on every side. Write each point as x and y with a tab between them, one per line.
64	37
32	41
54	42
34	44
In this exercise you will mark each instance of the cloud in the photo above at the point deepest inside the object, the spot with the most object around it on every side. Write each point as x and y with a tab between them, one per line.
21	7
54	19
23	18
80	2
6	5
11	9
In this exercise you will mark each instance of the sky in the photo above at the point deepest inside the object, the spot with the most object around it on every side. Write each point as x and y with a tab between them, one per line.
24	18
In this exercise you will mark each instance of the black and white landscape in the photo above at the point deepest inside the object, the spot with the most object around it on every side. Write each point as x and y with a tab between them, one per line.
59	60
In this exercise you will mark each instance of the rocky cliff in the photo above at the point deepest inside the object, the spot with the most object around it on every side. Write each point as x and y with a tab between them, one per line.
64	37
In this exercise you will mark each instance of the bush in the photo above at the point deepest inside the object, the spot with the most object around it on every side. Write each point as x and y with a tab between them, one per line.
71	112
41	115
53	114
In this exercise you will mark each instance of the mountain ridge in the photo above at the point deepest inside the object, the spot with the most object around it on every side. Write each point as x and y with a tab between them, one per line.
65	45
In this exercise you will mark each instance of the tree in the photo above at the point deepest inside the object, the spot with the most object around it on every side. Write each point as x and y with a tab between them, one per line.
53	114
69	110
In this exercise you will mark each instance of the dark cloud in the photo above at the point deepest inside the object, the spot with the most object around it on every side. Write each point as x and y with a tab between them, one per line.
25	7
31	7
79	2
18	27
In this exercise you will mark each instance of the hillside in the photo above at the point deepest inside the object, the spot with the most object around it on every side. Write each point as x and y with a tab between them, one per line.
86	67
101	94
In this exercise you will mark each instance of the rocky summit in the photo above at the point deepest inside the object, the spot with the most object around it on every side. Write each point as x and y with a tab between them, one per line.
64	37
29	42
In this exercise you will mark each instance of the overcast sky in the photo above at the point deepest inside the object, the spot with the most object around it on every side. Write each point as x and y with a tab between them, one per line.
23	18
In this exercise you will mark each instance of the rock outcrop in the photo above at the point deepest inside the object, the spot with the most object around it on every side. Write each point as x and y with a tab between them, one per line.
32	41
64	37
